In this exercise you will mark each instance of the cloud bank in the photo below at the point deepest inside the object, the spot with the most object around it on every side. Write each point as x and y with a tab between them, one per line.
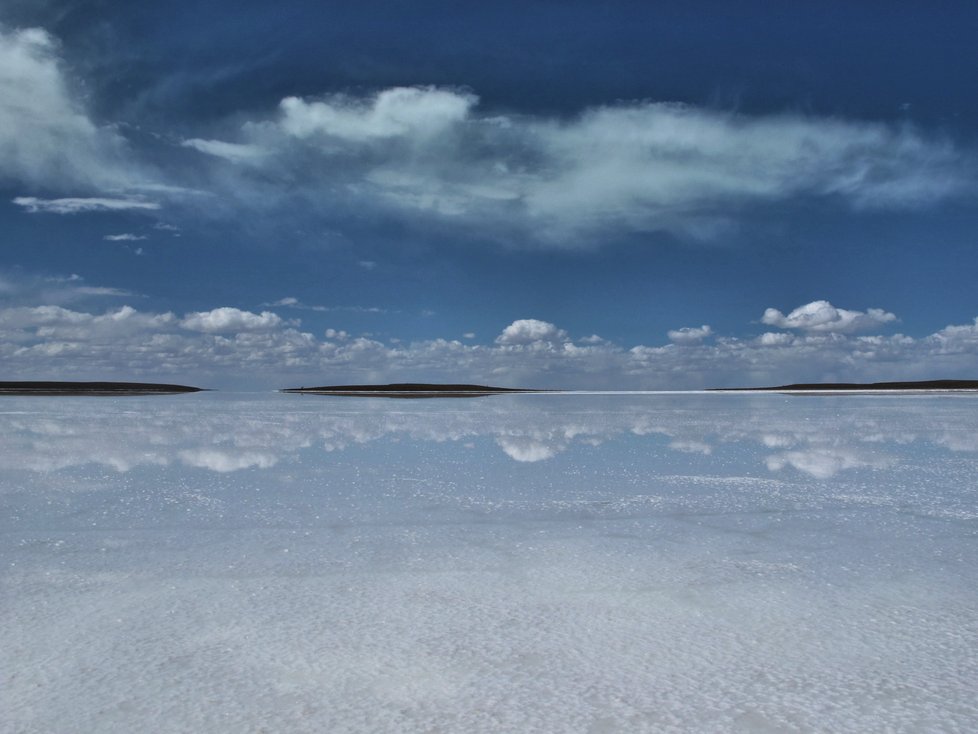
227	345
430	153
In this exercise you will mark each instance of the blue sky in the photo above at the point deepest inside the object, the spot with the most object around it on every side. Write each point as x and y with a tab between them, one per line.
604	195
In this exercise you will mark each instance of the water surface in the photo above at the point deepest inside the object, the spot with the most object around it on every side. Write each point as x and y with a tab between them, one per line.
591	563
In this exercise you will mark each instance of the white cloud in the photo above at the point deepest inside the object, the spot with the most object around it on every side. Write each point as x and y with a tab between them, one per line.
52	290
226	319
236	152
76	205
823	317
430	153
774	339
690	334
293	302
419	113
46	136
592	339
230	346
125	237
427	154
530	331
95	290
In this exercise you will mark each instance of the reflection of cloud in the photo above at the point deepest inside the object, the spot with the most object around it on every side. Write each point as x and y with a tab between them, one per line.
224	461
776	442
826	462
526	449
206	432
965	441
692	447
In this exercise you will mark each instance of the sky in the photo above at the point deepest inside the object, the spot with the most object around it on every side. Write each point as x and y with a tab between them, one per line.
617	195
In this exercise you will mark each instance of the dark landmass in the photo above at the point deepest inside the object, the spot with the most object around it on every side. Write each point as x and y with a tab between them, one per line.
92	388
862	386
410	390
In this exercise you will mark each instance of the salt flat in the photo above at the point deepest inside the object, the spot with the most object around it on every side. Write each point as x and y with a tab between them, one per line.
591	563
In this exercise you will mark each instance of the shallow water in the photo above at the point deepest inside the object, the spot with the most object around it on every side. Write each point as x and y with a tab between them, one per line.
578	563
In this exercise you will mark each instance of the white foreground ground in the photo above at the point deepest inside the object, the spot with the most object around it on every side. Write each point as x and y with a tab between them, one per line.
538	563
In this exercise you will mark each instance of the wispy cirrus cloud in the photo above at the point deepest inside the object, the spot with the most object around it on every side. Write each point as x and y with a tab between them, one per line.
236	152
295	303
80	205
124	237
19	289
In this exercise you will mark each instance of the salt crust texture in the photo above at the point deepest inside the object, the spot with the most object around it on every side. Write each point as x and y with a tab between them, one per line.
525	563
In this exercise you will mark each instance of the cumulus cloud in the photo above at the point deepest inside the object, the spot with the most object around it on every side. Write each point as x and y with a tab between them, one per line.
46	136
822	316
531	331
226	319
430	152
419	113
75	205
690	334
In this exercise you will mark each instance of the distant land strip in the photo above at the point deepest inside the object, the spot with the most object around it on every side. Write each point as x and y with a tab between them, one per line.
92	388
937	385
411	390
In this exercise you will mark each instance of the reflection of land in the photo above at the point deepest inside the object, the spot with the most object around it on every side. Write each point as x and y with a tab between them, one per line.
408	390
27	388
258	434
864	387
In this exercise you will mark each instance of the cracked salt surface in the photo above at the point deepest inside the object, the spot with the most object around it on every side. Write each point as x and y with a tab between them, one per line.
591	563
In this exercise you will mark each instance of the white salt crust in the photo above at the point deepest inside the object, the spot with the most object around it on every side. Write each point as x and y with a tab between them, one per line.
587	564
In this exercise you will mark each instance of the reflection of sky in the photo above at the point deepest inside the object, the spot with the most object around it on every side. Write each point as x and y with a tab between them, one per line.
819	437
639	563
